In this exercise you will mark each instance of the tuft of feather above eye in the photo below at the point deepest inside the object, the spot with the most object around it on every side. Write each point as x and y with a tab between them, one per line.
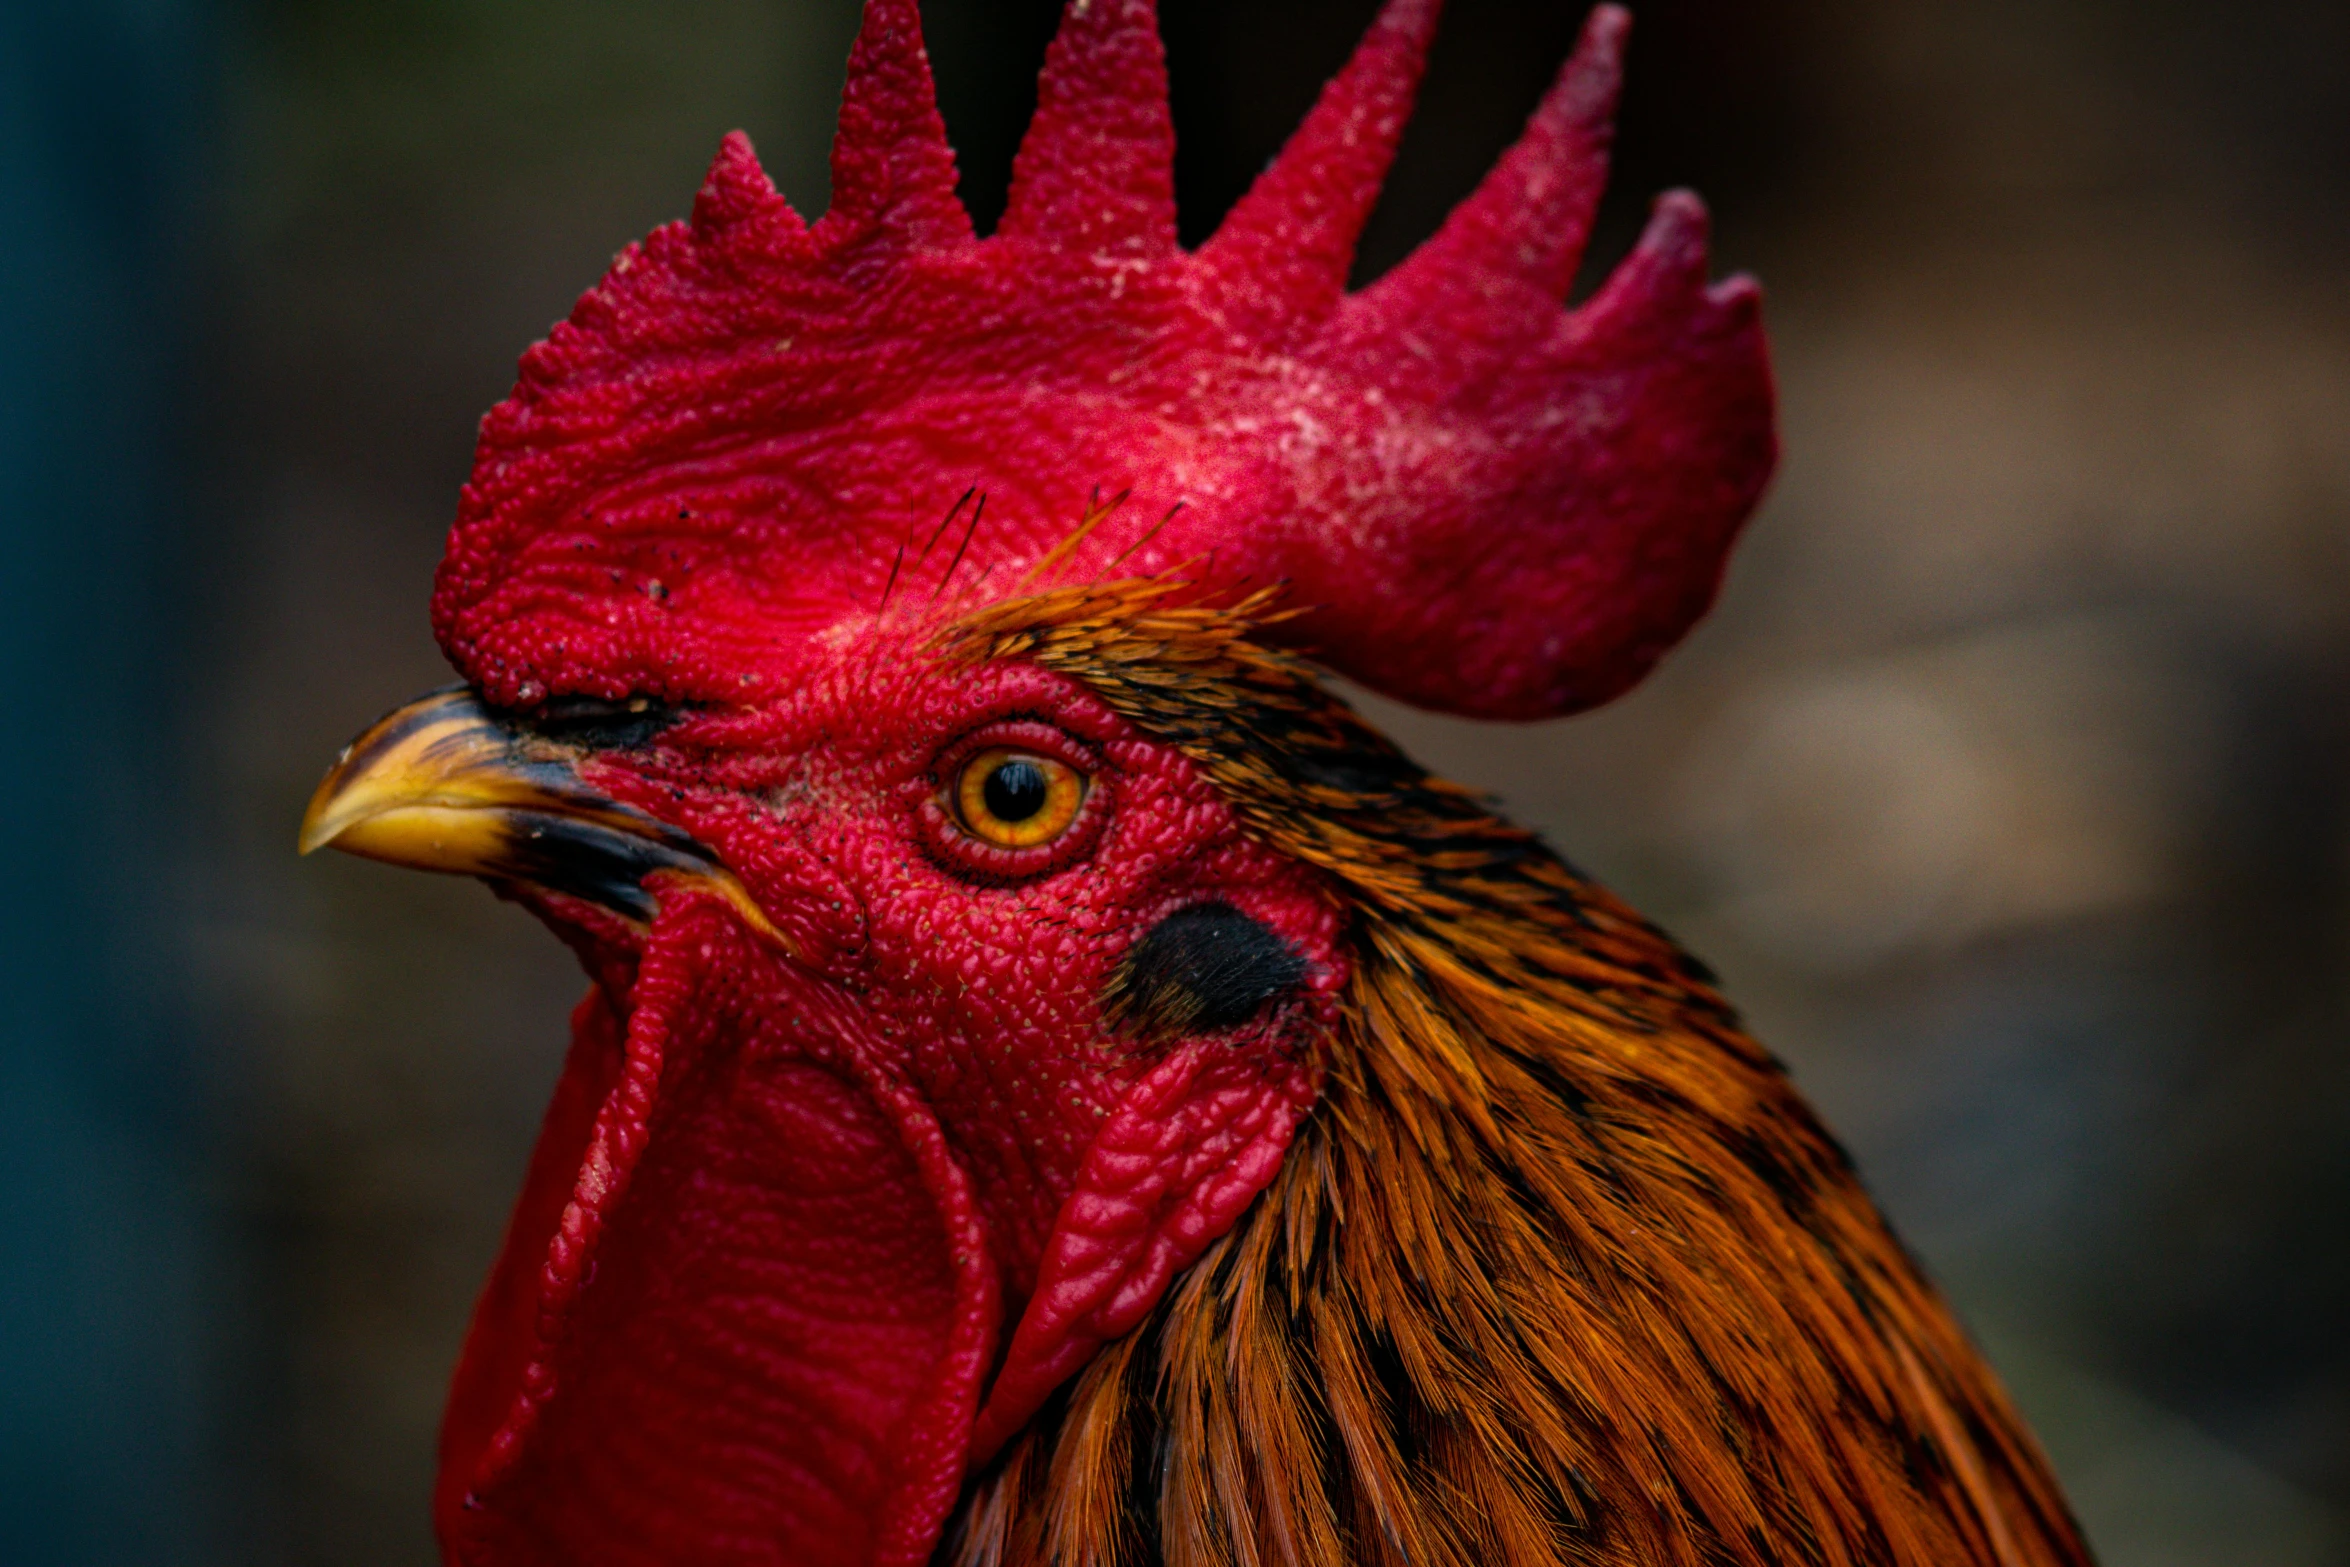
1201	968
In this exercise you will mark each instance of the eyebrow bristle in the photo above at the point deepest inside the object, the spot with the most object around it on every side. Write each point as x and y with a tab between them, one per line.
946	522
948	576
1149	534
1053	558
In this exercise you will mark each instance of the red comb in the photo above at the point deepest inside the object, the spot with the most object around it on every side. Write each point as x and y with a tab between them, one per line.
750	431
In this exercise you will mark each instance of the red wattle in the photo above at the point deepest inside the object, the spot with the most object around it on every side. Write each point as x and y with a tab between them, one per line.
504	1334
1188	1150
753	1327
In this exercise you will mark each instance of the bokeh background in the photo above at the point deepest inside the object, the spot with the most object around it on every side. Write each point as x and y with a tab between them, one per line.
2009	787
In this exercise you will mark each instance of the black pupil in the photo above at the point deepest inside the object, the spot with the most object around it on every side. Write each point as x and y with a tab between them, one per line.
1015	791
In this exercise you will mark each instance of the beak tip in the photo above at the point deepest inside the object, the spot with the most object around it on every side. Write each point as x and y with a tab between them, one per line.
319	828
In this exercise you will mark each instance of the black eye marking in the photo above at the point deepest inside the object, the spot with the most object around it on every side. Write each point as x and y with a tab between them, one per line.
598	725
1202	968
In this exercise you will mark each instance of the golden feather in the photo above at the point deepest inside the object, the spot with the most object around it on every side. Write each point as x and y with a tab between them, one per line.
1561	1269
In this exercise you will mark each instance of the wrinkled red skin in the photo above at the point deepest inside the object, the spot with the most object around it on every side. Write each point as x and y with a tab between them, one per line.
796	1230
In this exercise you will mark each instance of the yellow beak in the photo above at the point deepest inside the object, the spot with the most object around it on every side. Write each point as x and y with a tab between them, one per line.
445	784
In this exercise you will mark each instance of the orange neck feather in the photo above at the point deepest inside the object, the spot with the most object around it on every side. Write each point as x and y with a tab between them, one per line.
1561	1270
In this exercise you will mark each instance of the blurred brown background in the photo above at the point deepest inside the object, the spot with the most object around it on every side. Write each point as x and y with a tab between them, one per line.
2009	787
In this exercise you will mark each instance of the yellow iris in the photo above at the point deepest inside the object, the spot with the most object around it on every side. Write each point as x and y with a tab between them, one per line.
1017	799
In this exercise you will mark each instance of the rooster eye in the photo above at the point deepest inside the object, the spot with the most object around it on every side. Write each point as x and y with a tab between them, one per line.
1017	799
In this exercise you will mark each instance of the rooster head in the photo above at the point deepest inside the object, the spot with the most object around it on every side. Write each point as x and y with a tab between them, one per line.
872	642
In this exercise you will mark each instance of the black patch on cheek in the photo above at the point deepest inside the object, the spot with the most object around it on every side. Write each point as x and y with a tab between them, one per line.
1199	969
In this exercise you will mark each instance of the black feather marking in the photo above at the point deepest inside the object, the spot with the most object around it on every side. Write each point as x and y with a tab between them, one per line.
1199	969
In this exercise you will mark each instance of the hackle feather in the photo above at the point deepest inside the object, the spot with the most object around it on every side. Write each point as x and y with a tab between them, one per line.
1560	1271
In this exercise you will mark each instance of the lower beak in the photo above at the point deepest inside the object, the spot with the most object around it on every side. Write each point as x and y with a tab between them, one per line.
445	784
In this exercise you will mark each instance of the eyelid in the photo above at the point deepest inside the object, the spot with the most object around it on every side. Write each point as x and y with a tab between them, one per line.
1016	732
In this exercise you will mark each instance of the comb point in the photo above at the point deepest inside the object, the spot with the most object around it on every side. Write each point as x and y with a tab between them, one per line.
736	188
1096	170
1527	221
892	167
1284	250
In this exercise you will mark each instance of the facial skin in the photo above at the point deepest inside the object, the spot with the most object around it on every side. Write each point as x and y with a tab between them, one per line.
984	965
835	1189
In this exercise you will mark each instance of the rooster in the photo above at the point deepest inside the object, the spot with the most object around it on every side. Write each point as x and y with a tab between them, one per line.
1056	1086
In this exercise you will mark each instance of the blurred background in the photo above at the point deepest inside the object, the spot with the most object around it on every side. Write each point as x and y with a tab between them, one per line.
2009	787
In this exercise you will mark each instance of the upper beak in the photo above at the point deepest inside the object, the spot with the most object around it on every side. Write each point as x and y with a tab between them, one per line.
445	784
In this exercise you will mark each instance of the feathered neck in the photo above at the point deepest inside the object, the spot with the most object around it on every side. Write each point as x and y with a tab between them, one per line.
1561	1270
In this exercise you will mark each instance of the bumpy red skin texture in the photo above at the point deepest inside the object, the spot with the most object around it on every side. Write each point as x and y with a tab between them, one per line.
803	1240
1489	504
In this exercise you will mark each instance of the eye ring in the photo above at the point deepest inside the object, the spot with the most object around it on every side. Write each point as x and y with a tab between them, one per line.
1014	798
963	842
